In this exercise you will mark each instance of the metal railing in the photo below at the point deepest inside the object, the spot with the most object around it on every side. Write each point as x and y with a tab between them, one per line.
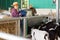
26	20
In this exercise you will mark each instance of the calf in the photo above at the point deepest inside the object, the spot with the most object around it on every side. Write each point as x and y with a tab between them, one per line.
50	28
39	34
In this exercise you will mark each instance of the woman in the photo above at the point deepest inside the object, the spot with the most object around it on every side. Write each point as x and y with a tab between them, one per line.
14	10
33	10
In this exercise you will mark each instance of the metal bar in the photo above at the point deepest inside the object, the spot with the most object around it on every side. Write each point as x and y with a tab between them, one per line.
57	11
24	27
18	28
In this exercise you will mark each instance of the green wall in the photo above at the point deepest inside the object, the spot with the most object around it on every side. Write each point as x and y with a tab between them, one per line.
5	4
42	3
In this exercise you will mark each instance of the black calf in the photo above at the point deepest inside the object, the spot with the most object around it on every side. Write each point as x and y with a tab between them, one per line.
52	32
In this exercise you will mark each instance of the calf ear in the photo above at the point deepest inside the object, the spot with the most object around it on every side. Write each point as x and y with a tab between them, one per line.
45	36
34	34
57	24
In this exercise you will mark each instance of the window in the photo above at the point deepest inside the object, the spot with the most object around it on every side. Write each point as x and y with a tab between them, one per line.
24	4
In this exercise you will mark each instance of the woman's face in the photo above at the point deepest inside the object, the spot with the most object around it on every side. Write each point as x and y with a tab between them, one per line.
30	6
16	6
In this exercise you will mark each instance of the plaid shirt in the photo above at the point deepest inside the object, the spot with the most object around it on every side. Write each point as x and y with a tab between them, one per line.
14	12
